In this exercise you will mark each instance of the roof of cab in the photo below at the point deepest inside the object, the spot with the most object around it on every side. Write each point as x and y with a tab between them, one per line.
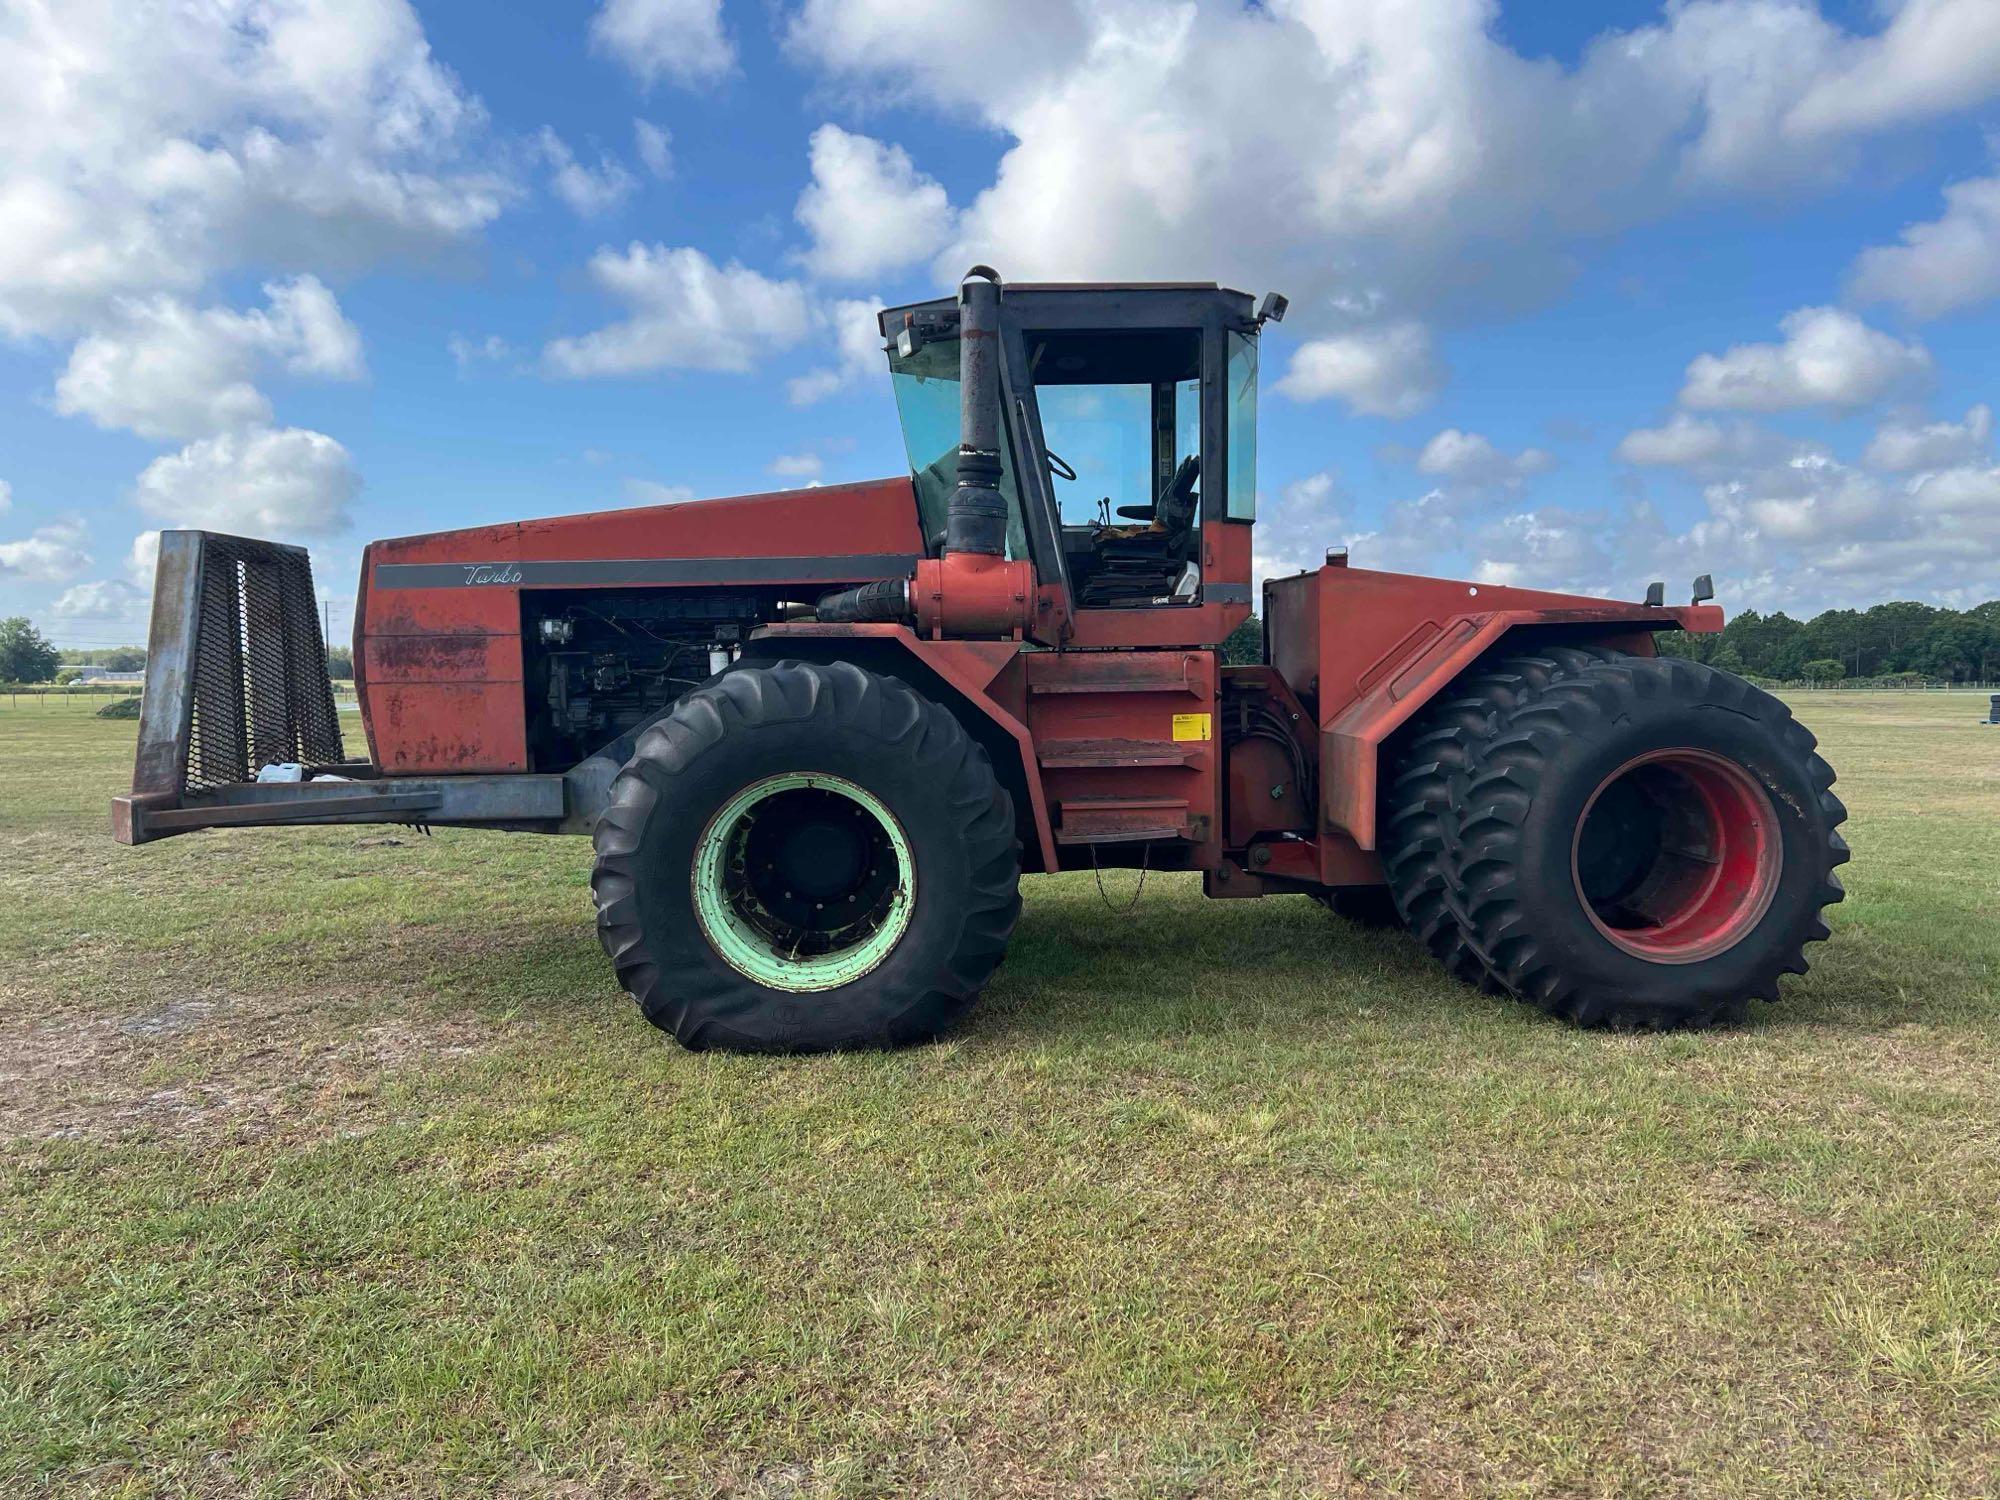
1131	302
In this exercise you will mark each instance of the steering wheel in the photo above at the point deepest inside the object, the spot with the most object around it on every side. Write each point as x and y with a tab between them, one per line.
1059	466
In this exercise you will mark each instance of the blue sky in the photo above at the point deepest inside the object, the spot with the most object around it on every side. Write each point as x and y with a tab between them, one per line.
1582	294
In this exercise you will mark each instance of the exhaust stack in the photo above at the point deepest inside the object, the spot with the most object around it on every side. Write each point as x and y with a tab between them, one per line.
972	589
976	520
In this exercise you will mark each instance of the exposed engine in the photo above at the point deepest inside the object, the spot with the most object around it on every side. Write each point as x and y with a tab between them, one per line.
601	663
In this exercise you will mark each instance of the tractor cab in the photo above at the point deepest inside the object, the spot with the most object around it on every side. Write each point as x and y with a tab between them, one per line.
1127	448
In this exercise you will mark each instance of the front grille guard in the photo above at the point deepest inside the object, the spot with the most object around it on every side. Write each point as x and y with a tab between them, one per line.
236	680
236	669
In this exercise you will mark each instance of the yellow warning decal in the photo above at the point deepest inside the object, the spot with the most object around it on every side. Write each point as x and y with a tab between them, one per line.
1191	726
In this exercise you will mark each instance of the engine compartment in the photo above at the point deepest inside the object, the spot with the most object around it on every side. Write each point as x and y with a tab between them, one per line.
597	663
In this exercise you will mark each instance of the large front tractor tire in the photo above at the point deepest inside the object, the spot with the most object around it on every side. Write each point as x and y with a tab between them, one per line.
1619	840
802	858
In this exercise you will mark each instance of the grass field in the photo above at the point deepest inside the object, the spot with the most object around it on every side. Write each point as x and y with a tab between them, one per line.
334	1162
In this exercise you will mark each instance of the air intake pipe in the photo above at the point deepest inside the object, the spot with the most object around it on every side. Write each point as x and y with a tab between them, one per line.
888	600
972	589
976	520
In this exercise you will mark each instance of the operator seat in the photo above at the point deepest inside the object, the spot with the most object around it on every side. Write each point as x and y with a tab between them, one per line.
1138	564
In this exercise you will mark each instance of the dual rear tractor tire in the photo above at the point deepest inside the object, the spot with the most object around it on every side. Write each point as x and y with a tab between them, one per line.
1626	841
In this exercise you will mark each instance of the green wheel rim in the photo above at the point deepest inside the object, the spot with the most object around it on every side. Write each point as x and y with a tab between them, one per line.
774	941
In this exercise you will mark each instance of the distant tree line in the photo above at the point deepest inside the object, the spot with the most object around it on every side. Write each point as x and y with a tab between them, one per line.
1903	639
111	658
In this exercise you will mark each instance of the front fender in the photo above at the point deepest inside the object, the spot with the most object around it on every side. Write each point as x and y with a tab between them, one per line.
982	682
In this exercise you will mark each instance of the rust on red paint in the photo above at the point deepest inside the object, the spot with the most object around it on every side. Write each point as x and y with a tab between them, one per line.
439	670
429	658
458	727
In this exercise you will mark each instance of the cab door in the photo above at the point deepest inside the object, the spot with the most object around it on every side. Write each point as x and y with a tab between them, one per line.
1124	438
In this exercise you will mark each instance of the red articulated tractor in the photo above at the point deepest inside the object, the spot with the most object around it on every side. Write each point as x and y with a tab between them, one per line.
817	737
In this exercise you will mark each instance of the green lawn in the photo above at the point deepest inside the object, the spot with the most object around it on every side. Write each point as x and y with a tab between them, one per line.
334	1162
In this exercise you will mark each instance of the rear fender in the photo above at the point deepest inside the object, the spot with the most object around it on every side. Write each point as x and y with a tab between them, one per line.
1383	645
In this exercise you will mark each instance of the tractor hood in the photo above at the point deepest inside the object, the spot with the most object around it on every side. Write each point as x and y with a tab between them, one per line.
438	637
817	537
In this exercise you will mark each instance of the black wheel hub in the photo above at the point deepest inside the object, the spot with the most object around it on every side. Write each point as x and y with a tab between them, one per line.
1619	844
817	871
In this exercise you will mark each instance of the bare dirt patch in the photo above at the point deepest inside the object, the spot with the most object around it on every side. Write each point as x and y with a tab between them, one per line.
219	1066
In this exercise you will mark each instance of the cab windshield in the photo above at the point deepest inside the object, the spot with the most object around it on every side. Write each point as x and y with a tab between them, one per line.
926	386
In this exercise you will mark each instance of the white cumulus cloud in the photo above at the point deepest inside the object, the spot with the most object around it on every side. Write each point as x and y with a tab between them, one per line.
1812	531
263	482
467	352
588	190
1934	57
1969	491
858	345
681	41
652	492
1295	527
1828	358
144	148
868	209
109	601
1390	371
143	561
1471	458
168	370
684	312
54	553
655	146
1698	443
1548	548
1399	149
806	466
1943	265
1900	447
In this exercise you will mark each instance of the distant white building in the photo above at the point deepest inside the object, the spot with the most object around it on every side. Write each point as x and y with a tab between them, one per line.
105	674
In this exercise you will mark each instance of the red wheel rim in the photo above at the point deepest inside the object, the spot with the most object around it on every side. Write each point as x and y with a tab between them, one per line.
1676	855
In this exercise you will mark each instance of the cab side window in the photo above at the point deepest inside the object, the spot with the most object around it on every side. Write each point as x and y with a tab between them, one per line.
1121	432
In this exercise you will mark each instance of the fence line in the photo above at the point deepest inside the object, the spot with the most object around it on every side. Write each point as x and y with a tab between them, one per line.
40	695
1875	685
